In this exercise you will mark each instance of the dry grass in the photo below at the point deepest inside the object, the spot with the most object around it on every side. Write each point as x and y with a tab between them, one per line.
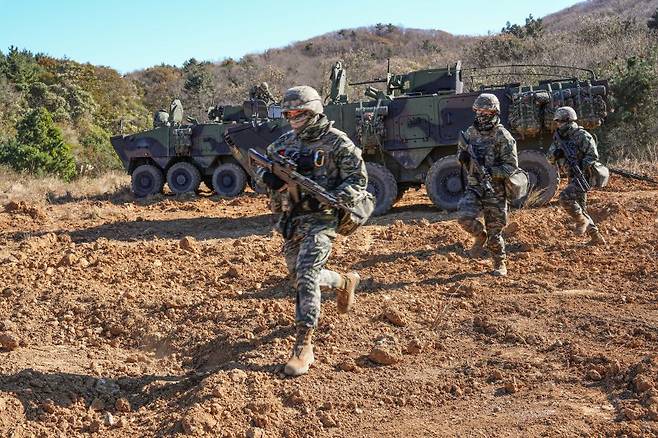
40	190
649	168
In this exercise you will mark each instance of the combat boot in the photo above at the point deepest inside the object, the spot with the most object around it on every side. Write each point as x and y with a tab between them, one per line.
478	246
595	238
500	270
581	225
345	295
302	353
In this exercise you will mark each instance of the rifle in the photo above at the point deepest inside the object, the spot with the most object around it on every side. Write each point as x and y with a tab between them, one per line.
482	174
627	174
286	170
569	149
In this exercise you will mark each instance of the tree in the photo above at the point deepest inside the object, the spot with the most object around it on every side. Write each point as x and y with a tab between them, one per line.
533	28
39	147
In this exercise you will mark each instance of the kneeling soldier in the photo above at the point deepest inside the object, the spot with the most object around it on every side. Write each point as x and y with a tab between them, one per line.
328	157
574	150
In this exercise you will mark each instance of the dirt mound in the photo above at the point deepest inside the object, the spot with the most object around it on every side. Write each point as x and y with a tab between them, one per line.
174	316
21	207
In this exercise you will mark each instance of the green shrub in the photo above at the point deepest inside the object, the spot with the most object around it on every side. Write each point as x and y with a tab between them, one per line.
631	129
39	147
96	154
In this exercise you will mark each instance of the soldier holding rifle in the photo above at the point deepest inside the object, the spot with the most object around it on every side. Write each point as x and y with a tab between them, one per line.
487	152
328	181
574	150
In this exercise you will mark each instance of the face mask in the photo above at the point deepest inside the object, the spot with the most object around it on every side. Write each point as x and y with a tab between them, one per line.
300	121
563	127
485	121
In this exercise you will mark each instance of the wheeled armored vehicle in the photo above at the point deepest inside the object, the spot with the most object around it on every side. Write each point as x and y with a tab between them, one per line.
185	154
409	131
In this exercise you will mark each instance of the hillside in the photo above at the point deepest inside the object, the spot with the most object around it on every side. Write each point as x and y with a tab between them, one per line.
89	103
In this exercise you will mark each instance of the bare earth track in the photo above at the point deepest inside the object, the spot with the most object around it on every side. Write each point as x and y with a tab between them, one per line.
115	324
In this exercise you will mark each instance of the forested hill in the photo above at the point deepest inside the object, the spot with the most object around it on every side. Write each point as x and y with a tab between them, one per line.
51	104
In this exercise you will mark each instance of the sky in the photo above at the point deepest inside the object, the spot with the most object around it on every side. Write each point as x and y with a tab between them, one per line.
133	34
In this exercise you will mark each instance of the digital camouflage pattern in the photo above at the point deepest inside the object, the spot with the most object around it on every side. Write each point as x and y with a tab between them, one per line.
496	150
572	198
329	157
302	97
565	114
487	101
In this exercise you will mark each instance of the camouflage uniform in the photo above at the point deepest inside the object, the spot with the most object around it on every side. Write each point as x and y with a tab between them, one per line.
496	150
261	92
572	198
309	232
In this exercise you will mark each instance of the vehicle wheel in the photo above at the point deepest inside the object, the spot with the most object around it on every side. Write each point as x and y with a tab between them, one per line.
444	183
229	180
183	177
146	180
543	179
257	188
382	185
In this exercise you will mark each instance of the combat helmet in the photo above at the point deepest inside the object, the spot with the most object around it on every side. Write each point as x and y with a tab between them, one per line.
302	98
486	101
565	114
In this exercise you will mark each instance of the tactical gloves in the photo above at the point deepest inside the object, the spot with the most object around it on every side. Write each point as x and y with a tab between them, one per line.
272	181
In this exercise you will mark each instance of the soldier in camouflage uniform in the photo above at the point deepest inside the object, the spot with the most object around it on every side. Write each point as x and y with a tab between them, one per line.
261	92
328	156
573	199
495	149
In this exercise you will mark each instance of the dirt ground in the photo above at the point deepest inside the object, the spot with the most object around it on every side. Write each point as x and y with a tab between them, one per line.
174	316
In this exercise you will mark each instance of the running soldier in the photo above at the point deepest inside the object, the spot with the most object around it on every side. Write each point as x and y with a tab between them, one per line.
489	147
571	138
328	156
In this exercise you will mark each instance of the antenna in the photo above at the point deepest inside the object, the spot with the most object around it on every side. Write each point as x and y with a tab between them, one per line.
388	65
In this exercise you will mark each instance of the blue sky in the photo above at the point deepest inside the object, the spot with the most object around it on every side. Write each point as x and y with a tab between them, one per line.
130	35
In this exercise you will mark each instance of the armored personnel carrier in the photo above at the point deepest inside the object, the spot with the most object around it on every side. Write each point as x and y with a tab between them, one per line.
408	131
184	154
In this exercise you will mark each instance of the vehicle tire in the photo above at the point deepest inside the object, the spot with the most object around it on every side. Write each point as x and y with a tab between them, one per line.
146	180
183	177
229	180
543	179
444	183
382	185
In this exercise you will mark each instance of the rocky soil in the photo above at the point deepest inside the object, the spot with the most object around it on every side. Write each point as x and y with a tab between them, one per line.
127	318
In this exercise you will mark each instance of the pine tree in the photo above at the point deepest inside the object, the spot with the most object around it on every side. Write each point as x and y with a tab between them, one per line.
39	147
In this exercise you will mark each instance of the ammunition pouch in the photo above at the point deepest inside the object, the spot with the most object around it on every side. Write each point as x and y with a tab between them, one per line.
598	175
517	185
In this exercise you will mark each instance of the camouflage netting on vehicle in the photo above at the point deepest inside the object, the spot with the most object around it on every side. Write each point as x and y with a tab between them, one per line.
533	111
588	102
526	112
